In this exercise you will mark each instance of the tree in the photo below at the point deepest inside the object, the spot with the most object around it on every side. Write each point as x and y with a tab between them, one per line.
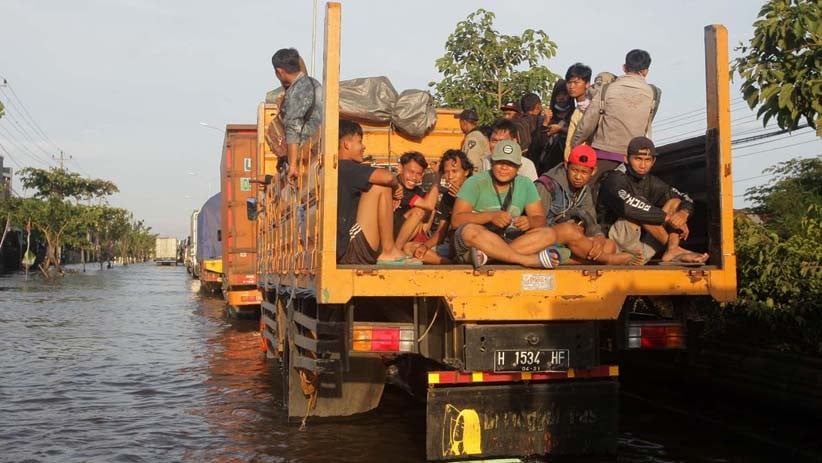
778	261
51	211
781	66
2	110
482	68
784	201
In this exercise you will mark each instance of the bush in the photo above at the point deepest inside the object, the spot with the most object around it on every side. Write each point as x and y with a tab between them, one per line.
780	280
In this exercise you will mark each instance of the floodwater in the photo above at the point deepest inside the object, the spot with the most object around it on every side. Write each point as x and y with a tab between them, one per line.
133	364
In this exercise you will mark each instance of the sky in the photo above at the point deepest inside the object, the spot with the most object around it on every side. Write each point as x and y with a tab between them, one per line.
139	91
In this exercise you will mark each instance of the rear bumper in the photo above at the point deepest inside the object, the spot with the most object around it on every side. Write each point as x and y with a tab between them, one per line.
521	419
238	298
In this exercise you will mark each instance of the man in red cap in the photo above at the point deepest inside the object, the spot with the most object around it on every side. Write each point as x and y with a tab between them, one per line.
566	196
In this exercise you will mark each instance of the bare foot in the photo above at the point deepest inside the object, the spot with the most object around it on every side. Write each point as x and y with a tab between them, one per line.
622	258
680	254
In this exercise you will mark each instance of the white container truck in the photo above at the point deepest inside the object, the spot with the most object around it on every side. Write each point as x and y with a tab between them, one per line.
165	251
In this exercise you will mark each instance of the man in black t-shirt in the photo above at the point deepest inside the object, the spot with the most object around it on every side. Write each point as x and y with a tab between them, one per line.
364	206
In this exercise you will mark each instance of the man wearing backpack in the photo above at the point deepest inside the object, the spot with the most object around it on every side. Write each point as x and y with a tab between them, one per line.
623	110
302	107
475	143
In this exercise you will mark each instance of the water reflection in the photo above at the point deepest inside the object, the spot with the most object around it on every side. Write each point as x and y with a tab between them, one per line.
133	364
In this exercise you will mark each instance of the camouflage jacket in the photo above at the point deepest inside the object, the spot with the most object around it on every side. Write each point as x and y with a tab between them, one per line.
302	109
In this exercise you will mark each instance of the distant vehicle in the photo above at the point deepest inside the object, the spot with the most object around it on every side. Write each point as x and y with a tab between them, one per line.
239	235
209	252
191	250
165	251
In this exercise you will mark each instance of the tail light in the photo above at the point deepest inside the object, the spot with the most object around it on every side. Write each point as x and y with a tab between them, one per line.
372	337
655	336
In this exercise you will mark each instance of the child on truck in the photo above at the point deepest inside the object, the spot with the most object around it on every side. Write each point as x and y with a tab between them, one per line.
454	169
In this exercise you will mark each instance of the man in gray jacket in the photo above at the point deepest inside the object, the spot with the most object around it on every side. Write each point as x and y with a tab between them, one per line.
623	110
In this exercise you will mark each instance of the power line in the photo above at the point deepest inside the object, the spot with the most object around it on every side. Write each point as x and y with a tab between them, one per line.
11	158
752	178
21	148
22	131
26	113
772	149
767	135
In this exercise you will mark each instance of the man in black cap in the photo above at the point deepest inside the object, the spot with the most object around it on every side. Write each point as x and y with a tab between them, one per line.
646	214
509	110
475	144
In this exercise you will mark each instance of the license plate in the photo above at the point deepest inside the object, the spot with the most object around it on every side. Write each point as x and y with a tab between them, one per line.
531	360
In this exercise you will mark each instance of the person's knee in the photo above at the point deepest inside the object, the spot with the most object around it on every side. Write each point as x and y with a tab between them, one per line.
568	231
415	213
470	234
610	246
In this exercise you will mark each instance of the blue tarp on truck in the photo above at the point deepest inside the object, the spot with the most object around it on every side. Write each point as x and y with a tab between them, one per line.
208	229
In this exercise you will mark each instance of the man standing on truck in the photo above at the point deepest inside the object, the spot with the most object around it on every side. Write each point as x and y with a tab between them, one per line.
302	107
623	109
643	211
365	219
475	144
497	215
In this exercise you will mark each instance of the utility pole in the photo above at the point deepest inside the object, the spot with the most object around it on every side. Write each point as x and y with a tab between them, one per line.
62	158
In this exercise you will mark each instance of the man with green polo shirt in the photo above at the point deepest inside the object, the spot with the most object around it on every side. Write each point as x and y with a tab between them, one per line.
498	215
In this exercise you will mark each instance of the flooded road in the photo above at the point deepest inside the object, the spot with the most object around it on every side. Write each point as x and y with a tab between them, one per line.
133	364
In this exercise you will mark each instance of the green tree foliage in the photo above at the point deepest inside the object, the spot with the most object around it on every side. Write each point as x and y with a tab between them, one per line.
482	68
779	262
52	212
780	279
781	66
784	201
61	183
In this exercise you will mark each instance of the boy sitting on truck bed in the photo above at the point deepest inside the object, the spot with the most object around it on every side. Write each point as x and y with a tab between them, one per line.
365	225
454	169
645	212
566	196
413	204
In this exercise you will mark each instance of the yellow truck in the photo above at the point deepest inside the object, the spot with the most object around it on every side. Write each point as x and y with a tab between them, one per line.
238	235
507	358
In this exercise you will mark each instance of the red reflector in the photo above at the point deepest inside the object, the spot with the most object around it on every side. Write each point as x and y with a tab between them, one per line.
248	298
661	336
385	339
653	336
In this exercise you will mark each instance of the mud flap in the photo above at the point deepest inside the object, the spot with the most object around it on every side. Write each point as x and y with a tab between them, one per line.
518	420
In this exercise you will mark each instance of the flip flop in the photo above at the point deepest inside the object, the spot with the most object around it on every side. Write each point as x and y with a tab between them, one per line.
400	261
558	253
478	258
